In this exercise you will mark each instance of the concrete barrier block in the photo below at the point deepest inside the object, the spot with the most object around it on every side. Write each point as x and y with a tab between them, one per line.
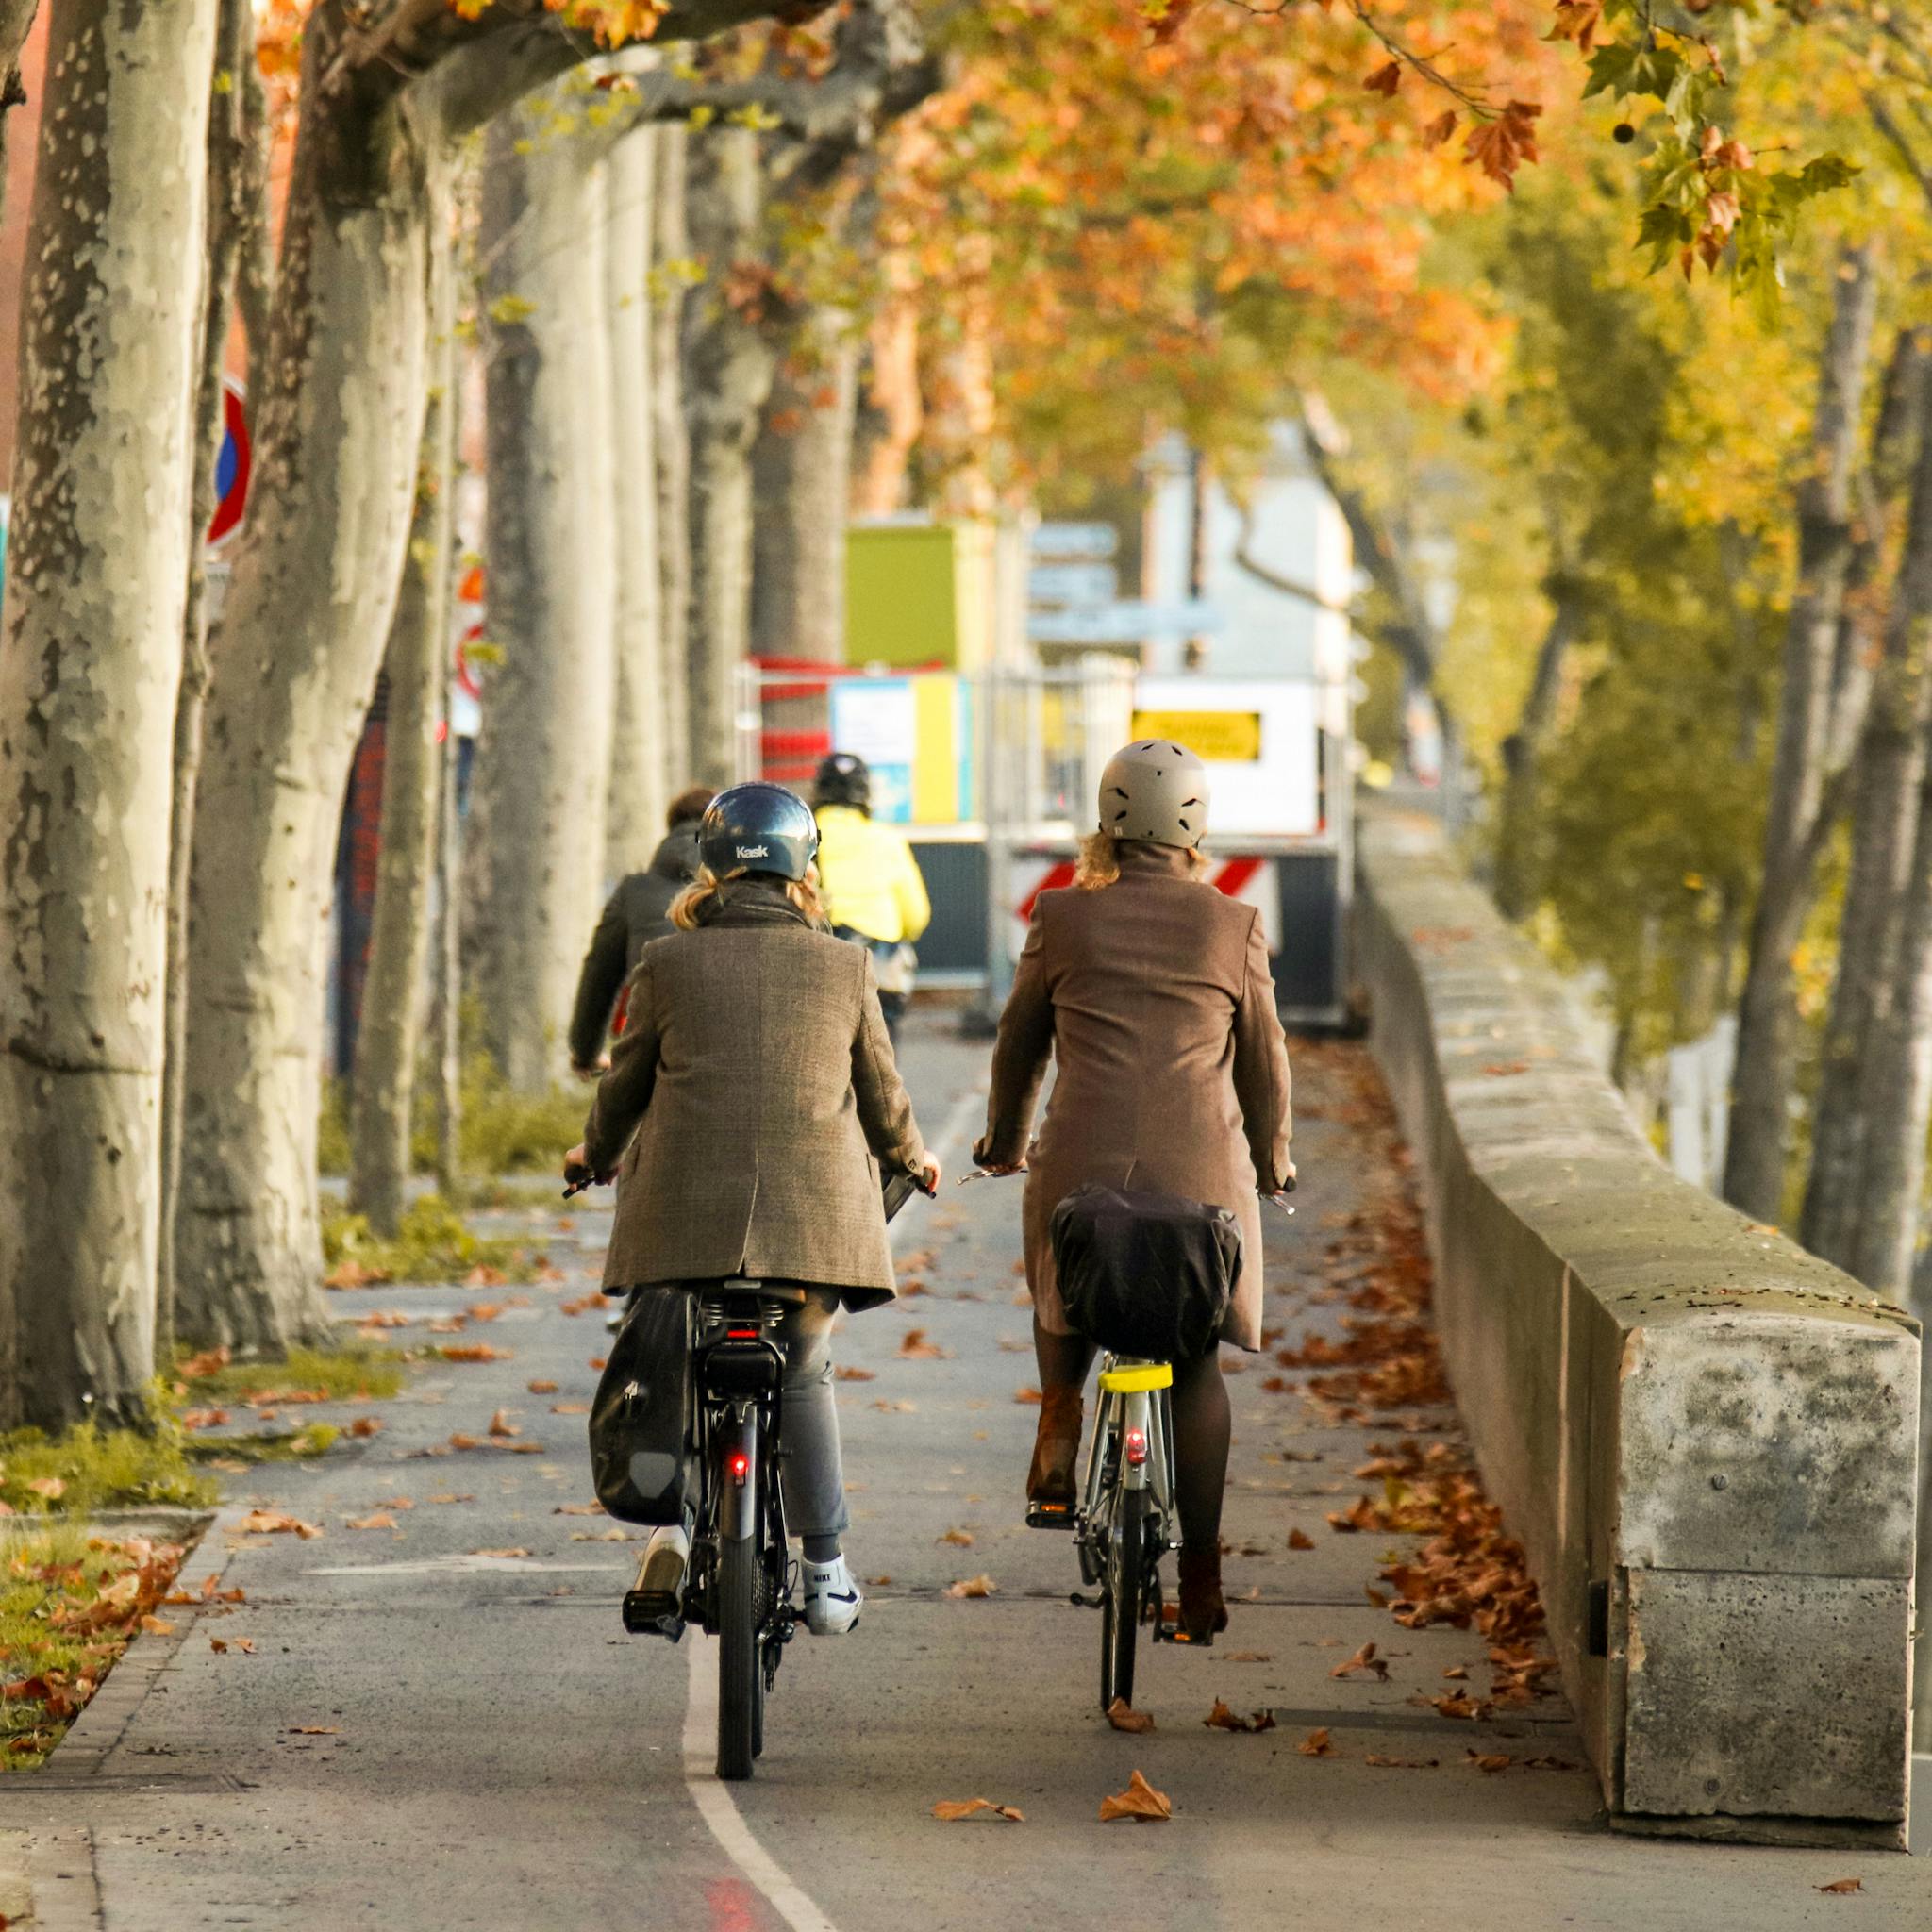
1705	1439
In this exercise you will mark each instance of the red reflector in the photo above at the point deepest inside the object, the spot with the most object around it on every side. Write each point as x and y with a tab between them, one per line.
741	1465
741	1335
1136	1447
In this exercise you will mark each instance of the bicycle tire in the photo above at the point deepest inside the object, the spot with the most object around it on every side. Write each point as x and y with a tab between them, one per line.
741	1679
1119	1623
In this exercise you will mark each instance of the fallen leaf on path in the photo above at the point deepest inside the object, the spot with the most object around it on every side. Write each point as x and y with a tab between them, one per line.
570	1408
1028	1395
1455	1670
1140	1800
193	1419
1012	1344
460	1441
381	1520
598	1361
449	1325
364	1426
960	1539
845	1373
500	1424
1021	1297
160	1625
1364	1660
1456	1704
500	1553
578	1509
527	1449
885	1407
878	1582
1316	1745
1222	1718
396	1502
914	1346
950	1811
1300	1540
484	1276
1379	1599
447	1497
272	1521
582	1302
1124	1717
613	1534
1841	1886
1548	1764
972	1586
909	1288
1248	1657
313	1731
542	1387
197	1365
1376	1757
1491	1761
484	1311
384	1318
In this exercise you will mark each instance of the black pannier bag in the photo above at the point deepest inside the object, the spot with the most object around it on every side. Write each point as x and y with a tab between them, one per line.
1145	1275
641	1419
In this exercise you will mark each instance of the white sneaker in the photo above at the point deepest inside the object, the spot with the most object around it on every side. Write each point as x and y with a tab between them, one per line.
665	1558
832	1601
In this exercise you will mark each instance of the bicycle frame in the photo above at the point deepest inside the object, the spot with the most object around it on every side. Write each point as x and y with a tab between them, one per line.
1133	1409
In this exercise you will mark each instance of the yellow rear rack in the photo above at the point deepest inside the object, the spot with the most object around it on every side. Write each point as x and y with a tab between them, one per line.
1131	1381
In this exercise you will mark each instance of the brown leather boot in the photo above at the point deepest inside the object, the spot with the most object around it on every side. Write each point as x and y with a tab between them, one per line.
1050	1491
1204	1611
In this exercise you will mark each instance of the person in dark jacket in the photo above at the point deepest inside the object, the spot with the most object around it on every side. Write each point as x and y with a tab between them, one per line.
639	911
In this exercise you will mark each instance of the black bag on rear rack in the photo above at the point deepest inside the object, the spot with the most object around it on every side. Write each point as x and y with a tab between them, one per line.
640	1420
1142	1273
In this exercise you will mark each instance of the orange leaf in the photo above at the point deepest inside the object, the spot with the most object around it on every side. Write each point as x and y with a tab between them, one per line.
542	1387
1300	1540
1439	129
914	1346
851	1374
950	1811
1844	1884
1027	1395
960	1539
1385	79
972	1586
500	1553
474	1351
381	1520
1124	1717
500	1424
272	1521
1316	1745
1222	1718
1140	1800
1364	1660
1489	1761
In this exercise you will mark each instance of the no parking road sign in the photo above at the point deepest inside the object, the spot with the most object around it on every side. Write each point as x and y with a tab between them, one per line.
234	464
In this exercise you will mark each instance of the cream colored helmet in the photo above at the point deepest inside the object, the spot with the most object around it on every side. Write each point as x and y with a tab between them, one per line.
1156	790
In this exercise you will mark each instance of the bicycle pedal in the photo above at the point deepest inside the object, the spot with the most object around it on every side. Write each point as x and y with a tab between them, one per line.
653	1613
1051	1516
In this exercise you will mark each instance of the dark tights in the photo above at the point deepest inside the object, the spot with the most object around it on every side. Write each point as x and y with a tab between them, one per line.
1201	1421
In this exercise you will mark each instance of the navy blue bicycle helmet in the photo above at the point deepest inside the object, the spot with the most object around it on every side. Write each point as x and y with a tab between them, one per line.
758	828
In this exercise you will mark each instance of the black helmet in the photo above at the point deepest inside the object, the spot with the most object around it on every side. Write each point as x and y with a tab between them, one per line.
843	778
758	828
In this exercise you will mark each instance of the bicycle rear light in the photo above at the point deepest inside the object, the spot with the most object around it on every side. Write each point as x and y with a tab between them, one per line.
740	1465
1137	1447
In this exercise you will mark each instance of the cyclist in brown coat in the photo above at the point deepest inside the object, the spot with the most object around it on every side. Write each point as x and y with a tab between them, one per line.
1152	995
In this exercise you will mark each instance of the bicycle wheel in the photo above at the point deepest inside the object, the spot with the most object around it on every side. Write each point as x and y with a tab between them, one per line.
741	1681
1121	1598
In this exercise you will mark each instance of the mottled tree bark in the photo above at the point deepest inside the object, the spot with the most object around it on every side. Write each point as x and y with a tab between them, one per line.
728	366
1765	1069
892	410
89	674
802	484
671	448
1886	777
544	759
640	782
383	1084
316	576
237	172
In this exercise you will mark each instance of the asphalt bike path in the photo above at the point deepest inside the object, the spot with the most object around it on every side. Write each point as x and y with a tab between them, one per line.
437	1721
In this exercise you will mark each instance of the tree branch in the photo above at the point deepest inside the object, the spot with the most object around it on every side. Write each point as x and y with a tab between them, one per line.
1882	120
1245	559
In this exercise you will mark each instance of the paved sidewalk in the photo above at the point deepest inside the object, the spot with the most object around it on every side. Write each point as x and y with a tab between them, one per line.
428	1734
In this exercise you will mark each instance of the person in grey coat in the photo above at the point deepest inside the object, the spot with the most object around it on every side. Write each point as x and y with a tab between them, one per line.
751	1105
637	912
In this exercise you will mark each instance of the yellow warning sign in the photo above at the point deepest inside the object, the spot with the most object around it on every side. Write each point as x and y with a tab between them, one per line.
1223	738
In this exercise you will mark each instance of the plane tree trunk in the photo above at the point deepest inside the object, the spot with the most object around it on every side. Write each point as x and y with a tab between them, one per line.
90	669
1765	1074
383	1084
316	576
544	759
640	779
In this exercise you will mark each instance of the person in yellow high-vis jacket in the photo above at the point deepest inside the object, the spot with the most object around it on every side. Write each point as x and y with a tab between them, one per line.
869	881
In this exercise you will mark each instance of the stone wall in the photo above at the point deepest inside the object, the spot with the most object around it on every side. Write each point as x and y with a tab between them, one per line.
1705	1439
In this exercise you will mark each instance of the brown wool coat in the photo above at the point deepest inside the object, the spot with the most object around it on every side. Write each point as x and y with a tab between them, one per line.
1153	998
753	1098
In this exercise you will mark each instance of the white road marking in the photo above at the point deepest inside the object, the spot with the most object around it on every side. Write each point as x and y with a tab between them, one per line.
451	1566
720	1810
966	1114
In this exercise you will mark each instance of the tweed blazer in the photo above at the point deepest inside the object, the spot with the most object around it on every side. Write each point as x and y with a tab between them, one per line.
751	1101
1153	1000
